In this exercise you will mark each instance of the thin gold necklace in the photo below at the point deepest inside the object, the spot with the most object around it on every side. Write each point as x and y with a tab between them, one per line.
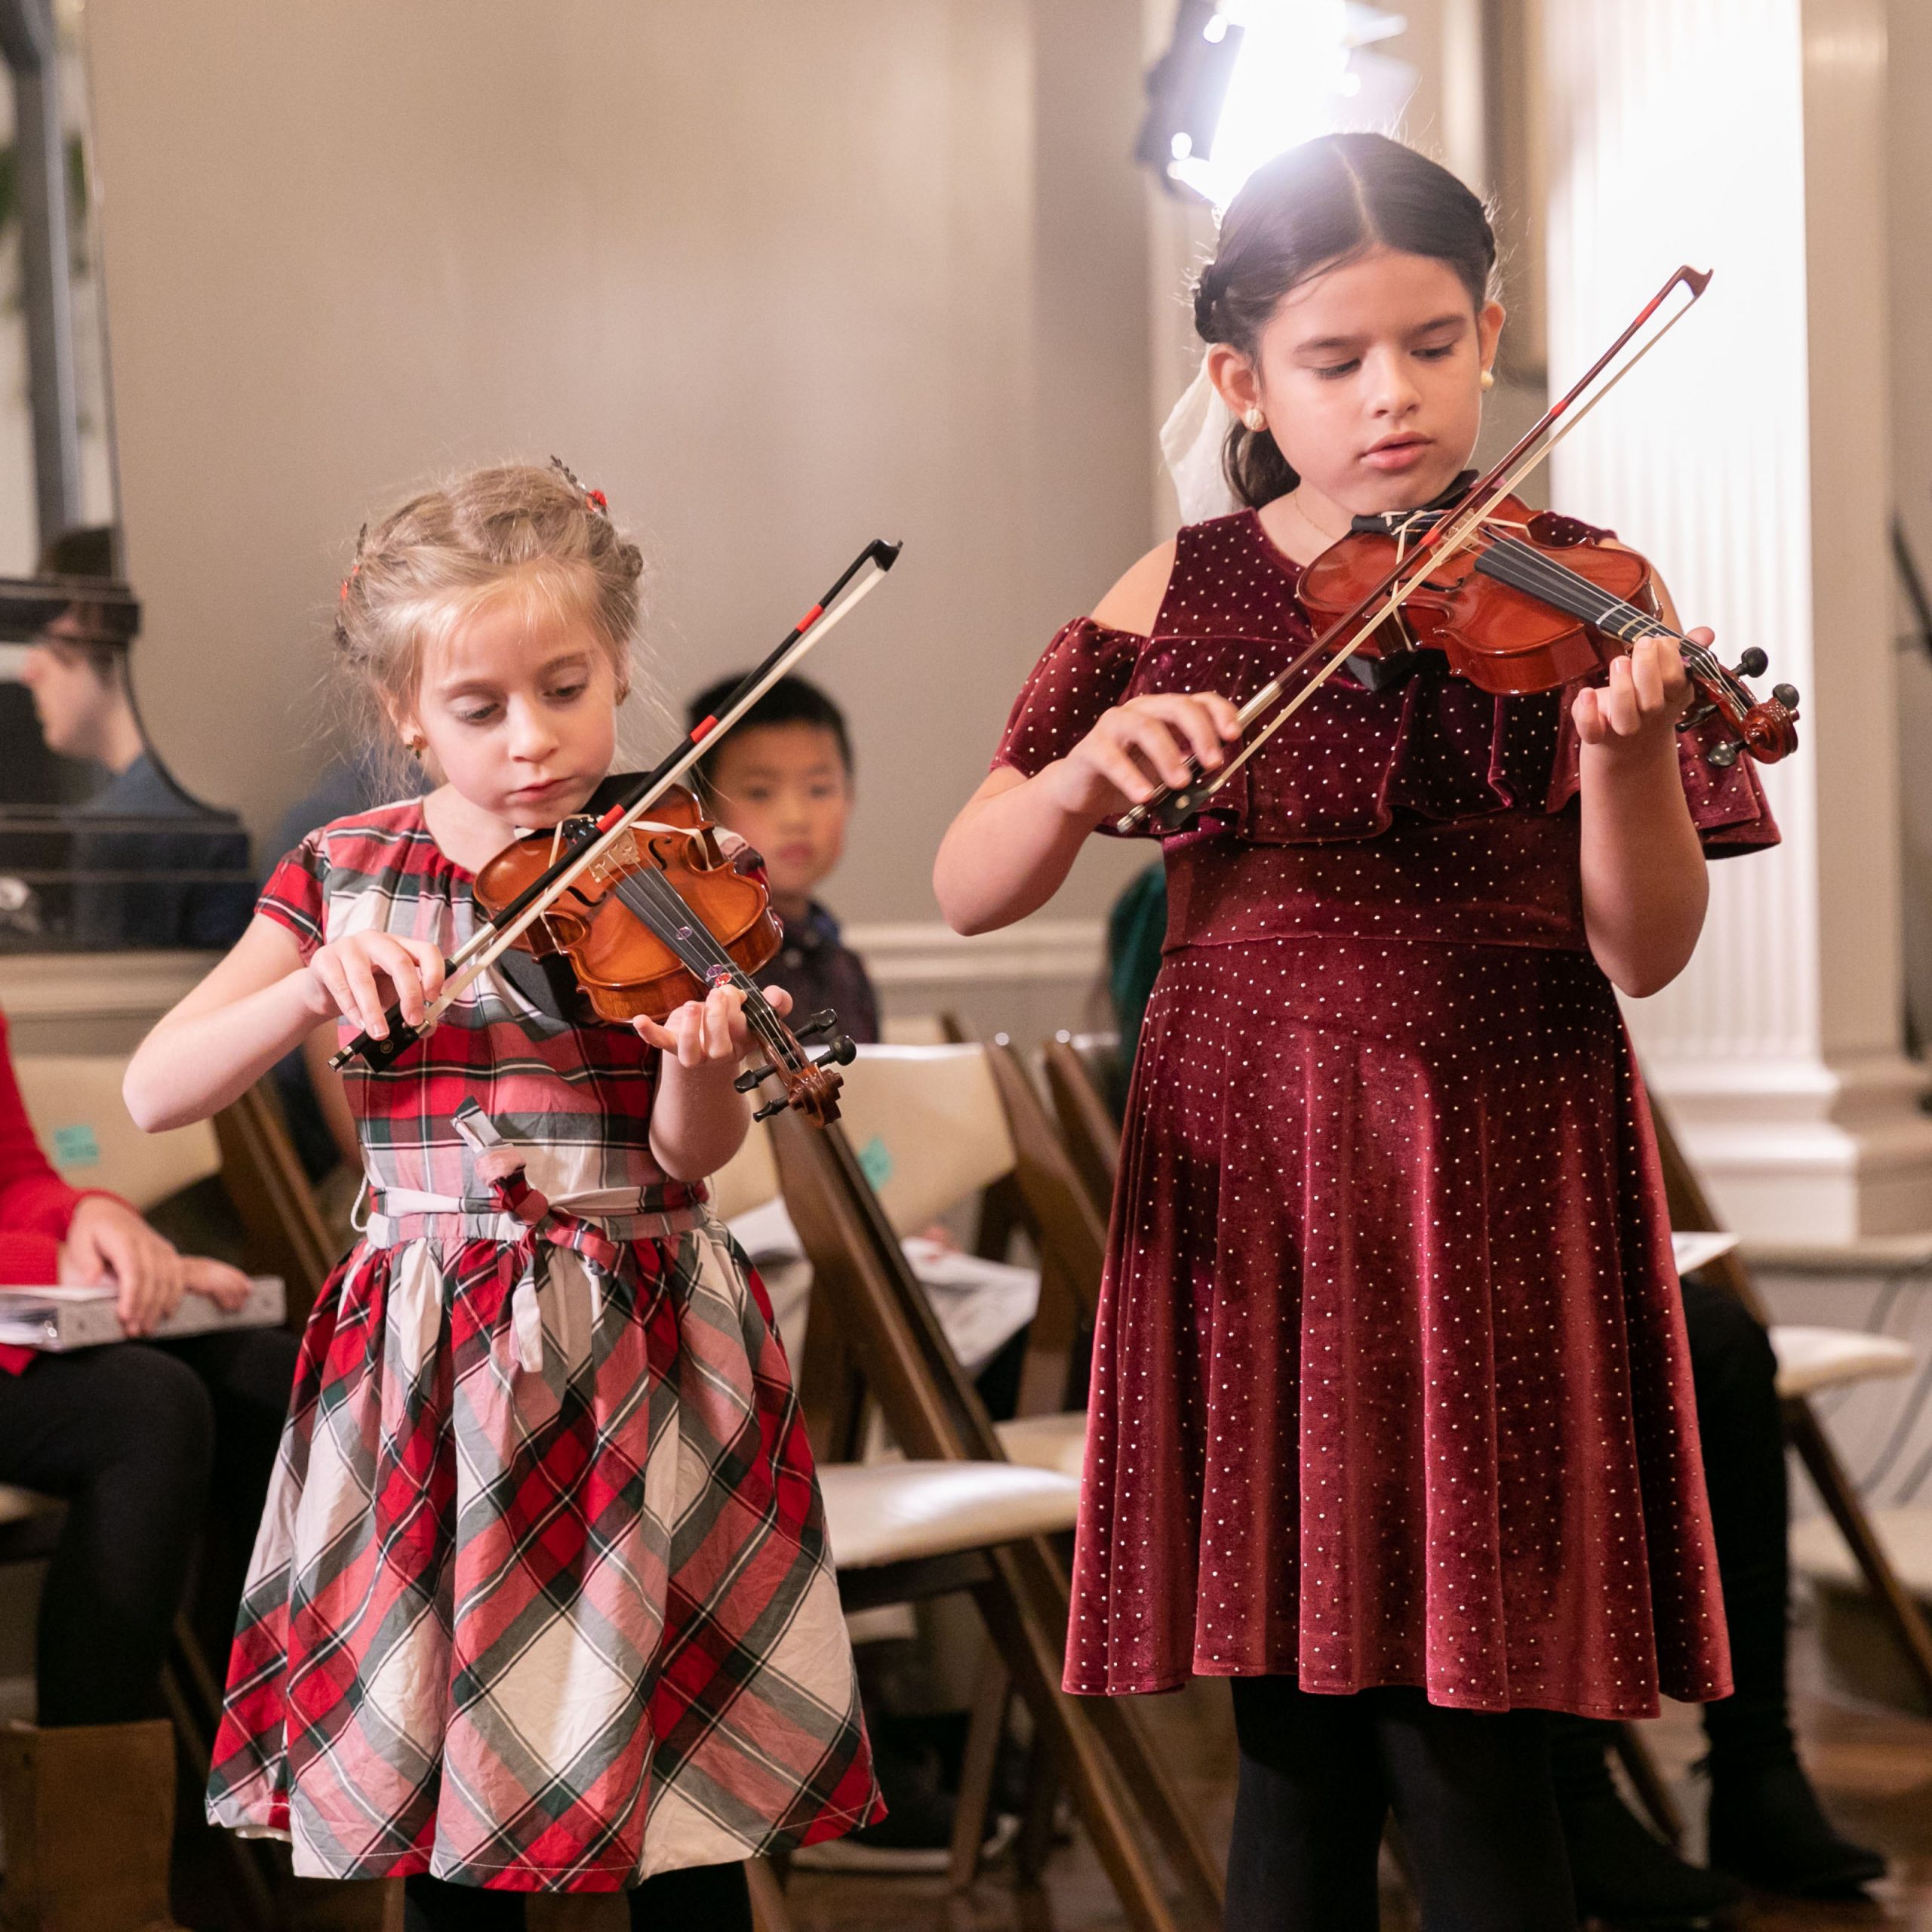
1327	538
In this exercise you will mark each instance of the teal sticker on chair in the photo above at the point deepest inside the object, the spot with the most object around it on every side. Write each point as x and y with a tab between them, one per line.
875	1161
75	1147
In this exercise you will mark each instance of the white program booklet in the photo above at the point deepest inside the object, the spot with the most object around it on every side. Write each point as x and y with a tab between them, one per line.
57	1319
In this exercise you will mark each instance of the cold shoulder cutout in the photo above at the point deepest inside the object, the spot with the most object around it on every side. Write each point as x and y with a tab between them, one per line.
1134	603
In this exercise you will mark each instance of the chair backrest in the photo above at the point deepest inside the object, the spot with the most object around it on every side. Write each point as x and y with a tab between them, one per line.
928	1126
1086	1124
272	1198
1071	1231
74	1102
749	1180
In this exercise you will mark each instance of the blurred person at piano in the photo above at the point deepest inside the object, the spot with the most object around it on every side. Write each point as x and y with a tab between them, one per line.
145	1441
781	778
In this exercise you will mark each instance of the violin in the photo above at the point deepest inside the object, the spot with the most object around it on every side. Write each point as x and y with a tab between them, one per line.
1532	602
660	916
583	843
1517	600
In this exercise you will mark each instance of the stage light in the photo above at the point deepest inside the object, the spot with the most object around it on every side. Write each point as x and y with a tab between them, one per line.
1244	79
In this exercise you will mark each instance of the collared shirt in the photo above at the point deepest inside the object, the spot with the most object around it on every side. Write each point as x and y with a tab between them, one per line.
819	970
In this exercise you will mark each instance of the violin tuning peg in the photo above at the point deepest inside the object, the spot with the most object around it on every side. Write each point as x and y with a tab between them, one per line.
770	1107
1786	695
748	1081
1696	716
1752	664
841	1053
1724	756
816	1024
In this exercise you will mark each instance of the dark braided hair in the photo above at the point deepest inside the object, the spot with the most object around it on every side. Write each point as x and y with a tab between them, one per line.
1306	210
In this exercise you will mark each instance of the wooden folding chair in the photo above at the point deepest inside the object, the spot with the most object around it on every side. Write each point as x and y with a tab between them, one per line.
861	1282
1809	1360
1086	1125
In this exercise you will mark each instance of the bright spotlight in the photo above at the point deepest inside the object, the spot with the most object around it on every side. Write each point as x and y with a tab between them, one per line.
1244	79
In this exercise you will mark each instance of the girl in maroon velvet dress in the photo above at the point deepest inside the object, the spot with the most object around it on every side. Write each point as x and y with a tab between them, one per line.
1391	1421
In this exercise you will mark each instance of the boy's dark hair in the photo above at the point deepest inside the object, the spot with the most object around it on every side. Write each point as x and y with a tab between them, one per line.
790	701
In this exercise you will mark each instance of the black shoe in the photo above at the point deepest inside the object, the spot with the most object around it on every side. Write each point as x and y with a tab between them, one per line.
1767	1828
1625	1877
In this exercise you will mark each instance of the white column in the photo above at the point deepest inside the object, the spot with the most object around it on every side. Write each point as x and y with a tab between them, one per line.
1749	457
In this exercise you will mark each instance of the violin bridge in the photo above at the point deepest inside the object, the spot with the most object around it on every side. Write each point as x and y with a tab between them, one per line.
621	856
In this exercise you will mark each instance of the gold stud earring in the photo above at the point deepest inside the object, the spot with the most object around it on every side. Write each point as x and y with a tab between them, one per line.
1256	421
1489	379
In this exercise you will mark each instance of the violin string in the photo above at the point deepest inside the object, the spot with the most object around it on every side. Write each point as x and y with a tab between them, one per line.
718	966
1522	566
1526	568
666	912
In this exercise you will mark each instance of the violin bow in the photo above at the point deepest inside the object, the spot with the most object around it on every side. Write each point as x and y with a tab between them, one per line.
501	930
1411	567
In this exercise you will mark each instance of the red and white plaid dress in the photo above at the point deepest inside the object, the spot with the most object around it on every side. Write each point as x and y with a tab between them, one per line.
542	1600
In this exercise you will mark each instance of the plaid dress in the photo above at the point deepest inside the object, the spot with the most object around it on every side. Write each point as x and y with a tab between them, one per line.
541	1600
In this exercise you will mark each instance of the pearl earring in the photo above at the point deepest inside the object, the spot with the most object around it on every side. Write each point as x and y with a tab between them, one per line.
1255	421
1489	379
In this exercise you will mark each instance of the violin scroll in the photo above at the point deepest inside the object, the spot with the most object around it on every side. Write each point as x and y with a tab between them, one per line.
811	1086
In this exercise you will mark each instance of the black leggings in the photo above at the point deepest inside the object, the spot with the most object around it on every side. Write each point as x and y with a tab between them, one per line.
712	1897
1470	1790
137	1439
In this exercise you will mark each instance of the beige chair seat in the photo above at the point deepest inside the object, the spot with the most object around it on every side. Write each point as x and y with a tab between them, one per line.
1818	1552
898	1512
1046	1442
1811	1359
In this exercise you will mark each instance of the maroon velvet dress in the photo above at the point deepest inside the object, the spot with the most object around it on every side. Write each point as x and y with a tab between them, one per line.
1390	1385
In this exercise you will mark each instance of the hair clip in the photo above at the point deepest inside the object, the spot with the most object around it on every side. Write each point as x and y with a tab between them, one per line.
361	538
593	499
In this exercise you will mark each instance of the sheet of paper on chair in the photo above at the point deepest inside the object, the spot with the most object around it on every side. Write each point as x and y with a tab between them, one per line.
1699	1250
58	1319
980	1305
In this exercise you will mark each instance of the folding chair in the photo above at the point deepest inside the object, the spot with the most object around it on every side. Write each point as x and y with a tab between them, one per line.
862	1283
1811	1360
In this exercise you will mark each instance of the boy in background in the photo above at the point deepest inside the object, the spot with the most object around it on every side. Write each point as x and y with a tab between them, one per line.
781	778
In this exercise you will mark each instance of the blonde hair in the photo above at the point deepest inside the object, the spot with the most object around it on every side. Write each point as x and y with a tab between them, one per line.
514	529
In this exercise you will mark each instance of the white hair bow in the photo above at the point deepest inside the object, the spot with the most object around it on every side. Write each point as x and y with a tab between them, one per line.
1192	440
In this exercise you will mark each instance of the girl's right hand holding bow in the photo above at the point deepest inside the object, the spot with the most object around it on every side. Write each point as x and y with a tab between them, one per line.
1139	746
1013	845
360	975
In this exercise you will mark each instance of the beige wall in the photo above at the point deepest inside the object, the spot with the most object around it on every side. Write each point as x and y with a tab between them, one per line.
779	275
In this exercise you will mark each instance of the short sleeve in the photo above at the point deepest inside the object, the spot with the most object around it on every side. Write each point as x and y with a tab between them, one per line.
294	896
1085	671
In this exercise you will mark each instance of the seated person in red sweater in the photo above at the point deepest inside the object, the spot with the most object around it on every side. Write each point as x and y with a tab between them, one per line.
138	1438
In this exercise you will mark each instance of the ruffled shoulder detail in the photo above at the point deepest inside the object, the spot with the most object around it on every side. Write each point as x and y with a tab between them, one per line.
1084	672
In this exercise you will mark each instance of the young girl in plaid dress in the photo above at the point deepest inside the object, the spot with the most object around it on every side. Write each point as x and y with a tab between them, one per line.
542	1600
